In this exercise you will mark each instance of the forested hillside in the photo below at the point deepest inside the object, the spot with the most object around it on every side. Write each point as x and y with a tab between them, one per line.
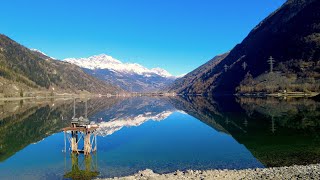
25	71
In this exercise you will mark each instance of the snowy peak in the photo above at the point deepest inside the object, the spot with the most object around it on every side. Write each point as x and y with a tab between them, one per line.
131	77
103	58
95	62
104	61
161	72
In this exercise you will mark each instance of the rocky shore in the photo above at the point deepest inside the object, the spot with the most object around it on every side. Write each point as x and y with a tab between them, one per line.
292	172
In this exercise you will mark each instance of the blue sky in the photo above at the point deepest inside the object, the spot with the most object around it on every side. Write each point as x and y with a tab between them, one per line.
177	35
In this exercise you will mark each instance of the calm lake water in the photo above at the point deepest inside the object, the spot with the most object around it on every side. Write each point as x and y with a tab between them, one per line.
163	134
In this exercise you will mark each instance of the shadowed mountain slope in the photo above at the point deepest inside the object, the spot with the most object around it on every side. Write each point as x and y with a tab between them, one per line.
292	33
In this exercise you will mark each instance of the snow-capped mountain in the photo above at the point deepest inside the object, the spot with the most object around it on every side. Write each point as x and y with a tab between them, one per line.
104	61
128	76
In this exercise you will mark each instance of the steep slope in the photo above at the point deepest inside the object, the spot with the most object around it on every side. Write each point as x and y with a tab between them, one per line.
128	76
26	69
195	78
292	33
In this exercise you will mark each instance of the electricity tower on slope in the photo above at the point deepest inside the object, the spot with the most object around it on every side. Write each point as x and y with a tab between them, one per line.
226	68
271	62
244	65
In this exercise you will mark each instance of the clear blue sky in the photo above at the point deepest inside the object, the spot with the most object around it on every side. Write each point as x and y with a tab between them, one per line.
177	35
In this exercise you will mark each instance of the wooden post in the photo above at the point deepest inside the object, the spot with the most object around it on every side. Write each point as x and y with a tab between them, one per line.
78	132
87	144
74	141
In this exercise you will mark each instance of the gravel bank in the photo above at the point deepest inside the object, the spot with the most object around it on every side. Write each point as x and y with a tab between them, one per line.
292	172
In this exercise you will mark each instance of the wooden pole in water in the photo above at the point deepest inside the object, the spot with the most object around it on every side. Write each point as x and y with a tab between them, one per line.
87	145
74	141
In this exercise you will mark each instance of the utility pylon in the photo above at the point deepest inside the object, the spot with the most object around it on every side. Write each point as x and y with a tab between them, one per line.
226	68
271	62
244	65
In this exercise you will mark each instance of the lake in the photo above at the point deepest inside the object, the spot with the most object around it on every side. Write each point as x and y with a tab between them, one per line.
164	134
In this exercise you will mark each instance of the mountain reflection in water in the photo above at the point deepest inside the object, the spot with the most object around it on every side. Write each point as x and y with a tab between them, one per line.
164	134
278	132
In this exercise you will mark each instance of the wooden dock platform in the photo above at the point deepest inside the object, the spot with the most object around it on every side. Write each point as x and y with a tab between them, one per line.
81	129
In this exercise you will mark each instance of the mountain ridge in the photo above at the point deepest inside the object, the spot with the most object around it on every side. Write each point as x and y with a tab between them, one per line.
131	77
104	61
183	84
28	71
291	33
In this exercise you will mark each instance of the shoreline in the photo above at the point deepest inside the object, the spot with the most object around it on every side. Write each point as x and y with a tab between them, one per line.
292	172
89	95
288	94
70	96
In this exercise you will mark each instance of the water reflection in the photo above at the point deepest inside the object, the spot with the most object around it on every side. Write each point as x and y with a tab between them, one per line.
28	122
83	167
164	134
278	132
132	112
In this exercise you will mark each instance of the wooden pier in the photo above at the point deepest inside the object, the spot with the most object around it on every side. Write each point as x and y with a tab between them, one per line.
81	130
76	134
